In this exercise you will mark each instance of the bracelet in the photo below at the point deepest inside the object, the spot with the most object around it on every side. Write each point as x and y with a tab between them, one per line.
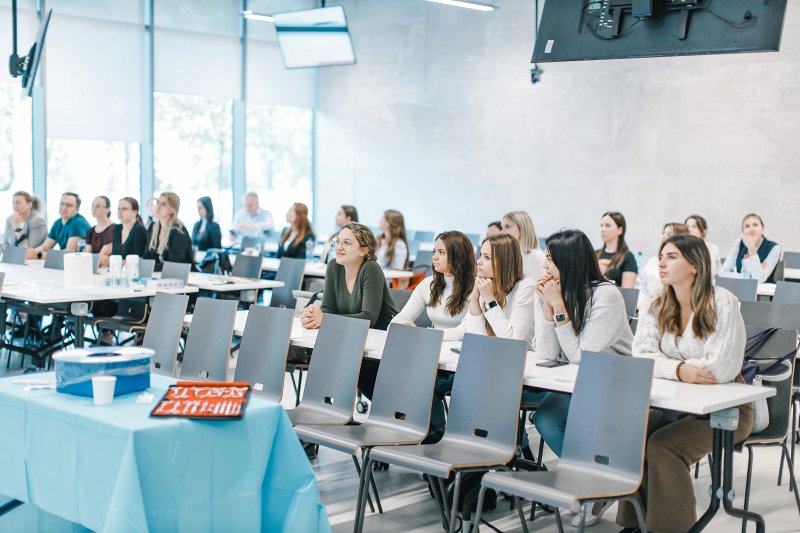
678	370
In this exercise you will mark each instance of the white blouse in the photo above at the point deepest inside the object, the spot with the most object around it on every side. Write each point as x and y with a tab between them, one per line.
441	319
533	264
399	258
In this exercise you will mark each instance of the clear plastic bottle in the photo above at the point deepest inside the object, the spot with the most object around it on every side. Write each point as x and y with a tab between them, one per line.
123	278
746	271
310	250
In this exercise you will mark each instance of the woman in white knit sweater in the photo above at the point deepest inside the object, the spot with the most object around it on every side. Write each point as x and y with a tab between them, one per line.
695	333
519	225
445	297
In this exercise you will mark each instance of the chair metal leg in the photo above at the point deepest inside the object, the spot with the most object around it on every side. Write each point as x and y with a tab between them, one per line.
582	518
299	388
439	490
747	484
637	506
478	511
375	491
558	521
522	514
780	472
792	480
454	510
358	470
359	522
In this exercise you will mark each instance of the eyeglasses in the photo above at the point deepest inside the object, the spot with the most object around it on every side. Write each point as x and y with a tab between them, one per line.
347	243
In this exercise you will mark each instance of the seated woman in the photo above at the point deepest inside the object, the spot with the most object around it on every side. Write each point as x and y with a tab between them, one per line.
25	226
754	256
648	280
392	244
167	238
616	262
519	225
101	233
345	215
698	227
130	237
206	233
445	297
355	287
501	304
577	309
695	333
296	237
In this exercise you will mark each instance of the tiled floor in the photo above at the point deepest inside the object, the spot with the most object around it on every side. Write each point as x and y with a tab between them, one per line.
408	507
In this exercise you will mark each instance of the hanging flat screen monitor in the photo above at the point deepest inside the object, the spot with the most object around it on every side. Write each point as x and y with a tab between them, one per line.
314	38
34	56
580	30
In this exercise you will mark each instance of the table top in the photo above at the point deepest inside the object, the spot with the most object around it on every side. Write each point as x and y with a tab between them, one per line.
666	394
791	273
219	283
36	284
766	289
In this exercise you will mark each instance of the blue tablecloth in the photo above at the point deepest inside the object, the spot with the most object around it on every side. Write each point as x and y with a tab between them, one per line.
116	469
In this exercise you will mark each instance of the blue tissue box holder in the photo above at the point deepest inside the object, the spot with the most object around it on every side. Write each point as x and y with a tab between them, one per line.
75	369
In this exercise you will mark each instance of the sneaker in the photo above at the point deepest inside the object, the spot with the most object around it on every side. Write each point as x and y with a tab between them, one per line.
591	519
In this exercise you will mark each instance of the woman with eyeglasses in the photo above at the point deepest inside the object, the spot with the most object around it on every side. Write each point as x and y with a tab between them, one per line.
130	236
355	287
101	233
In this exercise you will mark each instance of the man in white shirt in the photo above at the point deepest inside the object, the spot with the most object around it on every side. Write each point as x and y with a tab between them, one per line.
251	221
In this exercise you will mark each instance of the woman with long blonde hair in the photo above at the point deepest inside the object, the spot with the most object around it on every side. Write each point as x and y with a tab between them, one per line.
167	237
519	225
502	301
694	332
392	243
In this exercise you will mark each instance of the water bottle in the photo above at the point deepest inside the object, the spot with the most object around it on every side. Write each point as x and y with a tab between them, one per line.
123	279
81	245
640	262
115	268
745	271
132	262
310	250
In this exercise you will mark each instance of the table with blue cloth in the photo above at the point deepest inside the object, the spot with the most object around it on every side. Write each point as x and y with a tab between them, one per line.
114	468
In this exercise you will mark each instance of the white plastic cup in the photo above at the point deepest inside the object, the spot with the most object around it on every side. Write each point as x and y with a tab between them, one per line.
103	389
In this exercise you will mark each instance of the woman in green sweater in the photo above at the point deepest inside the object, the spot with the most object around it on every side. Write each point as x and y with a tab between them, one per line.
354	284
356	287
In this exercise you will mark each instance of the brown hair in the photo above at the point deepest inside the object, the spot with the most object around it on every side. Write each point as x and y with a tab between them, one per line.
666	306
35	205
622	248
461	258
701	223
134	203
301	224
350	212
365	238
677	228
752	215
397	232
507	268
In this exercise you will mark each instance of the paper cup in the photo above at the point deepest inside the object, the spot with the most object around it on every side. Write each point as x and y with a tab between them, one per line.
103	389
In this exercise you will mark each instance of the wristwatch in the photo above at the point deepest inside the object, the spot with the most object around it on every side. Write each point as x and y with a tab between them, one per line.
492	304
560	317
39	254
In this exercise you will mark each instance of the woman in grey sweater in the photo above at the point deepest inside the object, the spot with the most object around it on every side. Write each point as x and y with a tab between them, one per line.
25	227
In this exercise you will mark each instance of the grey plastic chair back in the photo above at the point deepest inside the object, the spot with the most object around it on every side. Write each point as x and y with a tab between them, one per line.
252	242
770	315
424	258
487	388
401	297
316	286
14	255
55	259
475	239
146	267
208	342
406	377
631	297
413	248
95	262
786	292
290	272
164	328
179	271
424	236
247	266
791	259
262	353
607	420
744	289
335	364
779	273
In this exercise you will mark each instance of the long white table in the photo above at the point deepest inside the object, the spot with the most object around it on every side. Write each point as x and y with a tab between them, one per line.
220	283
791	273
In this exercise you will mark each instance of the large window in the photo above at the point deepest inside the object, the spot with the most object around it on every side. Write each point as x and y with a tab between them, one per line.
91	169
193	150
279	155
15	144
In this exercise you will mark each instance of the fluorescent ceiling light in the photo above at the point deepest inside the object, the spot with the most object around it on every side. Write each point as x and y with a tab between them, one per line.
254	16
465	3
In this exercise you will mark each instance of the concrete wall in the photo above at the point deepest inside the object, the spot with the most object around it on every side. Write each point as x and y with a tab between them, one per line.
439	119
